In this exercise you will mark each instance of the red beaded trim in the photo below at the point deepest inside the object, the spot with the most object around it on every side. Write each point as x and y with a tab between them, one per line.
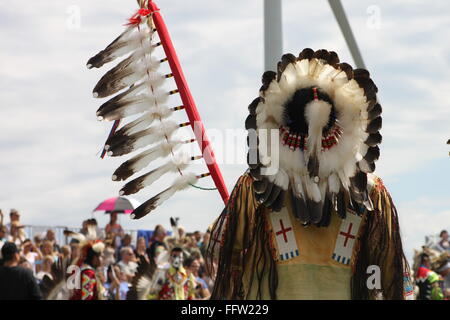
294	141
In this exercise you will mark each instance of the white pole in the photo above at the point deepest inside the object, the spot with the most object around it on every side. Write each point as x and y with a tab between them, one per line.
273	34
339	13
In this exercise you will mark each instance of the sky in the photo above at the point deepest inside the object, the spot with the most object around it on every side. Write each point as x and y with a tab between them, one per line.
50	138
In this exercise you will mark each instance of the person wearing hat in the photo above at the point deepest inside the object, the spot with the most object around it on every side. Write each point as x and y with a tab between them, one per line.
16	283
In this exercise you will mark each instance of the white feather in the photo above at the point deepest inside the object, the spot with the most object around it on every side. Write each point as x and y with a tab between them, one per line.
333	183
147	119
154	175
282	179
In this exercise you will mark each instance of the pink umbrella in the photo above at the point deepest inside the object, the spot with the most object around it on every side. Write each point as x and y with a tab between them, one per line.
118	204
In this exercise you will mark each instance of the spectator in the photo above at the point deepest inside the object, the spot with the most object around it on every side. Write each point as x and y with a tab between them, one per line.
50	236
444	271
31	253
444	243
198	237
108	255
126	242
16	283
116	284
46	268
47	250
84	229
157	240
13	216
113	229
66	252
16	233
141	248
75	250
192	267
25	264
37	239
181	232
1	217
204	244
161	250
127	263
2	238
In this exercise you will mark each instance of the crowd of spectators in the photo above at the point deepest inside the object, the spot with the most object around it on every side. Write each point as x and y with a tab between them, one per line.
120	257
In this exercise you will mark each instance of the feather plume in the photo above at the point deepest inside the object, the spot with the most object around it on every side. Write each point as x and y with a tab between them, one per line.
126	73
124	144
78	236
150	177
140	161
300	209
144	121
174	225
142	282
128	41
121	108
179	184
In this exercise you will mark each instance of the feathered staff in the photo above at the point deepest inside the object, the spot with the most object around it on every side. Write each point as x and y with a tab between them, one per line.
140	92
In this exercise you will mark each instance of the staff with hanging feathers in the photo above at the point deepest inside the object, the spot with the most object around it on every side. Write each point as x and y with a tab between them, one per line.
139	89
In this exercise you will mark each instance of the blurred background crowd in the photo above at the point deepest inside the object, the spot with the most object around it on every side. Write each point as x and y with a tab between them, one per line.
120	257
430	269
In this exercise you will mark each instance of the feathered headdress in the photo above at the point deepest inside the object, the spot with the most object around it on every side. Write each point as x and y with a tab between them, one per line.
87	242
327	120
140	92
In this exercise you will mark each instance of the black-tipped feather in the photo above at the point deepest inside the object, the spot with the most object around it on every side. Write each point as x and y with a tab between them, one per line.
267	78
360	181
306	53
104	56
315	211
361	73
373	153
313	166
375	125
111	82
347	69
321	54
375	112
333	59
252	106
300	209
250	122
327	209
373	139
286	59
342	203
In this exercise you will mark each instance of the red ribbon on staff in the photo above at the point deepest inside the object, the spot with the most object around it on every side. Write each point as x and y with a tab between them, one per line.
136	18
